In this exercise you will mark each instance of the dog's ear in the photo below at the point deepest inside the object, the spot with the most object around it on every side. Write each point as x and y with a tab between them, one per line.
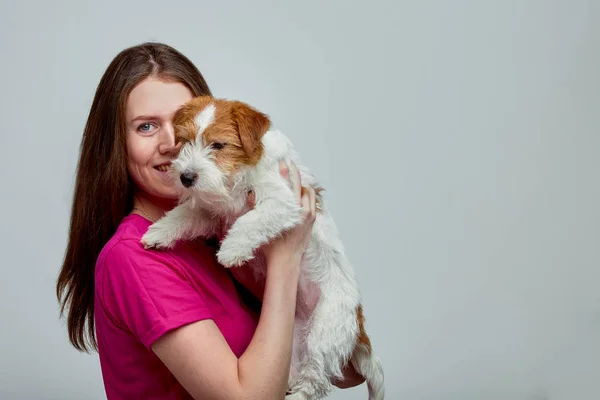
251	125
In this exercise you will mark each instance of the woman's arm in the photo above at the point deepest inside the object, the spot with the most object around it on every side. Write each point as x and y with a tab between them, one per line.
200	358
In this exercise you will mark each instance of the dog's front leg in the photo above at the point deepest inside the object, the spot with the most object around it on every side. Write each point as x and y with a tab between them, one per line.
269	218
181	223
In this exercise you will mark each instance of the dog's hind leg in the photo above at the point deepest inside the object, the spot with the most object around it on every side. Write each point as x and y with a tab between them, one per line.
329	344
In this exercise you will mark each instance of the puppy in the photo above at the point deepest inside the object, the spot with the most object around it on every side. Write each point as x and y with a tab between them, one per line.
228	150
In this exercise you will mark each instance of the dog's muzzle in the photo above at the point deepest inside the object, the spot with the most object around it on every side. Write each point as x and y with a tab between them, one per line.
188	178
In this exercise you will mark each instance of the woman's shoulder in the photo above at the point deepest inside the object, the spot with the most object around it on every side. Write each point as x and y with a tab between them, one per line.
124	255
125	242
124	262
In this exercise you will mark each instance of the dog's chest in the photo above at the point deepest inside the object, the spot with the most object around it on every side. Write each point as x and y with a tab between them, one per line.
308	291
307	298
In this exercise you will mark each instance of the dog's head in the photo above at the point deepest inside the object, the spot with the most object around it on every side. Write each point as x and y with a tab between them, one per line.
219	138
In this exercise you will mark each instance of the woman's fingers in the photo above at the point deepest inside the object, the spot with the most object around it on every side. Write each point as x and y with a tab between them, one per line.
293	176
313	202
306	201
284	170
306	197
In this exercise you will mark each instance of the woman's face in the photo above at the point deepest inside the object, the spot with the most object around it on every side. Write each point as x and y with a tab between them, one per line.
150	136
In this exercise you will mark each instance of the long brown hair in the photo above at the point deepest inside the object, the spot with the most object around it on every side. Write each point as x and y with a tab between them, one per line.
103	192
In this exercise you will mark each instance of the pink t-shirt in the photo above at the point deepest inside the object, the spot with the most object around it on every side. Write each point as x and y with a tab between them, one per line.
142	294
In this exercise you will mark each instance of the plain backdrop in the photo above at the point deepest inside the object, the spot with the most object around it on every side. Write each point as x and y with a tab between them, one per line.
458	142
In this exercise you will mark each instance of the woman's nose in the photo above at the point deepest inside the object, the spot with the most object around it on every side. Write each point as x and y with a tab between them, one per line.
168	143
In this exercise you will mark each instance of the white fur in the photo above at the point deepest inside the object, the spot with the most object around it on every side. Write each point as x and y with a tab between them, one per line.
204	119
326	329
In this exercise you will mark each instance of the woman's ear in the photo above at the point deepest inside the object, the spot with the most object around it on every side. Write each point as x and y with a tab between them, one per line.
251	126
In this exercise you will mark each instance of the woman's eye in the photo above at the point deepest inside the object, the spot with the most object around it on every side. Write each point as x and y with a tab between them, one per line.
146	127
217	146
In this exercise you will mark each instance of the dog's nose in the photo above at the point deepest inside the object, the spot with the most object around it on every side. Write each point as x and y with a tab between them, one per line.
188	178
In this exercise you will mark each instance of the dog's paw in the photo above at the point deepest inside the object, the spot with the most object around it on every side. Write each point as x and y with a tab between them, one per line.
232	255
154	239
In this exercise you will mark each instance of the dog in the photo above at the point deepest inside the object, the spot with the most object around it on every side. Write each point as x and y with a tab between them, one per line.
229	149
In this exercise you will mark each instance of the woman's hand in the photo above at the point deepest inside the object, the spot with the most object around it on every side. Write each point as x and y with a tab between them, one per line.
290	247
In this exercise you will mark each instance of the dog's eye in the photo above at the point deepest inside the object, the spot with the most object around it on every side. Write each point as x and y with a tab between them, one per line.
217	146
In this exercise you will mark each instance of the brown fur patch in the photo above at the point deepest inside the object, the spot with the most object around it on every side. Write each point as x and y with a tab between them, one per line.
184	119
236	124
251	125
363	338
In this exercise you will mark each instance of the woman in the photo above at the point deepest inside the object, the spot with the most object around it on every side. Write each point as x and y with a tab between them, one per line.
168	324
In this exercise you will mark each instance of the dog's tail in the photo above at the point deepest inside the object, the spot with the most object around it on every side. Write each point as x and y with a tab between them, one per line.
368	364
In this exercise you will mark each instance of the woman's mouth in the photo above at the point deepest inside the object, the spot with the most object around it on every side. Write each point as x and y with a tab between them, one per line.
163	167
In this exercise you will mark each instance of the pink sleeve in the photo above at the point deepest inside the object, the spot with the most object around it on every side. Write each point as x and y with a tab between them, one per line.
146	293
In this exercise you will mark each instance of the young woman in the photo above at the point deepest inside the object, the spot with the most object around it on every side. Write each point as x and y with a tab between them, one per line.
169	324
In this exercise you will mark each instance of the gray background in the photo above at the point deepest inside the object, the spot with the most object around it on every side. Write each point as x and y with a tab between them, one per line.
458	142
